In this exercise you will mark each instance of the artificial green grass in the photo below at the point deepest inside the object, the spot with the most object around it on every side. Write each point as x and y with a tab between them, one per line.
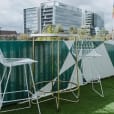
90	102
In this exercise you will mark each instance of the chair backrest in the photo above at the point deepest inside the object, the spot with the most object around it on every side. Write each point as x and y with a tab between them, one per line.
1	57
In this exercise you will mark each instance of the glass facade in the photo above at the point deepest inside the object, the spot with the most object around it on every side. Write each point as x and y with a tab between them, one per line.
35	19
31	20
92	20
98	21
58	13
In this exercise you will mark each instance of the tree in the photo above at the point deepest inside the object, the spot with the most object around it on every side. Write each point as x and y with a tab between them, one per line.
58	29
73	30
51	29
48	29
23	37
102	34
83	33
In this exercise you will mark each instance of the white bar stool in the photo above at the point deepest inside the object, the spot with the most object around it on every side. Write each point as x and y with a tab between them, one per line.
9	63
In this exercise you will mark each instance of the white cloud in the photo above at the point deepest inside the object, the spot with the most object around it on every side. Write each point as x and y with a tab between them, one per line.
11	11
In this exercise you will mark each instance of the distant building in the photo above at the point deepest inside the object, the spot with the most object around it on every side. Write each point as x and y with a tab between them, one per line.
88	18
91	20
35	19
54	13
98	21
5	34
31	20
88	21
58	13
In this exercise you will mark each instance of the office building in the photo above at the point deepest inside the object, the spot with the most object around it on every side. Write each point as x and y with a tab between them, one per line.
88	22
35	19
98	20
58	13
31	20
91	20
54	13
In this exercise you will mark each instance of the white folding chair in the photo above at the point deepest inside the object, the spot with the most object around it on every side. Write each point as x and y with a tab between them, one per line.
9	63
87	50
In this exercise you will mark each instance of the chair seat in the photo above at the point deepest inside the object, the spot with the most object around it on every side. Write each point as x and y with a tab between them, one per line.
17	61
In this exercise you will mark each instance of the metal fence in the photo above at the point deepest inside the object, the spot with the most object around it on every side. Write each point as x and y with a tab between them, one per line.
45	69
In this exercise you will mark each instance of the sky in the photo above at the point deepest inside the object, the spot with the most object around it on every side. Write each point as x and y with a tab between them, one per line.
11	11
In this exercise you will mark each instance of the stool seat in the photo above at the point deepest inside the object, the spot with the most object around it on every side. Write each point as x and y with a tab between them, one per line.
17	61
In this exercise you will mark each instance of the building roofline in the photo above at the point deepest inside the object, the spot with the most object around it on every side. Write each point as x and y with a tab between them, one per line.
30	8
65	5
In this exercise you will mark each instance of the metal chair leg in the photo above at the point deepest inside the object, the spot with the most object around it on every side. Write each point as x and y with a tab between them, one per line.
38	106
4	72
101	88
5	86
27	84
101	94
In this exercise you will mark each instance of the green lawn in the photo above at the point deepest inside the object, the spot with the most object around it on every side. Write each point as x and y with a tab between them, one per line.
90	103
